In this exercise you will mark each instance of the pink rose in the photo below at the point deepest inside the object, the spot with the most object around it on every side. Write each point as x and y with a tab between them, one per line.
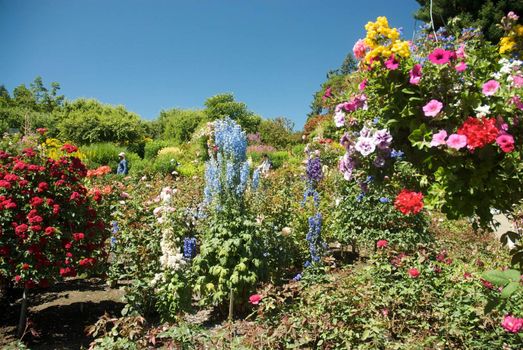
255	299
512	324
359	49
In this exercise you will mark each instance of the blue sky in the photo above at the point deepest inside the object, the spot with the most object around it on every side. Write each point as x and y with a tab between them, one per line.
158	54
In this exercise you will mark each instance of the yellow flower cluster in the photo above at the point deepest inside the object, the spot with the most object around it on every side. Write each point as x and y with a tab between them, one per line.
510	42
52	149
383	41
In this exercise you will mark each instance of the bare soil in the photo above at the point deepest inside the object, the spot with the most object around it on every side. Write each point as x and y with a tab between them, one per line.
58	315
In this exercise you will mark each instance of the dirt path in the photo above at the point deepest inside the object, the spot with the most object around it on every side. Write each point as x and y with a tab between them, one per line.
61	313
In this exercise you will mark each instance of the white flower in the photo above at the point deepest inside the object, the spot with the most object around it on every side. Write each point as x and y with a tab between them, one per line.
496	75
482	110
286	231
365	145
339	119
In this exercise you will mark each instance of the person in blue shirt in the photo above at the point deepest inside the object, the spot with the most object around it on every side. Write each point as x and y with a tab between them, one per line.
123	168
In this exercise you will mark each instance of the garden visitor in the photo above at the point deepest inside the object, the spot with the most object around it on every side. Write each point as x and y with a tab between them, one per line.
123	168
266	165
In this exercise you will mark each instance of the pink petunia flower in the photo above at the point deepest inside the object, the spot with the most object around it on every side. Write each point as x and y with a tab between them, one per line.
505	142
392	63
490	87
415	74
438	138
460	52
439	56
460	67
432	108
457	141
512	324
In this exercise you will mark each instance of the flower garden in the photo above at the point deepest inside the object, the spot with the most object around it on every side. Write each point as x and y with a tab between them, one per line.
375	232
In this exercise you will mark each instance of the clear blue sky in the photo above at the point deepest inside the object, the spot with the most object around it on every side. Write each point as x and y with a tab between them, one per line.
157	54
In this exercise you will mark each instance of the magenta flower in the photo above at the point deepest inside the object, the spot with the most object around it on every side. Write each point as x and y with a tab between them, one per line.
415	74
328	94
460	67
457	141
391	63
439	56
490	87
438	139
363	84
512	324
432	108
505	142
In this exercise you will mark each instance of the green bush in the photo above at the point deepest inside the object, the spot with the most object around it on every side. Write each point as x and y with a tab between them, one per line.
365	218
164	164
277	158
153	147
102	154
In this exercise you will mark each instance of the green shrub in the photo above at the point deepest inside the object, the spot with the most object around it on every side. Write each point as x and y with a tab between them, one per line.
153	147
102	154
164	164
190	169
365	218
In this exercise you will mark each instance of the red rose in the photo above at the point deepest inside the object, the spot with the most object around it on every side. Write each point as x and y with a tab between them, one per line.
69	148
23	183
36	201
35	219
18	278
382	243
5	184
25	266
49	231
43	186
414	273
21	228
56	209
255	299
78	236
67	272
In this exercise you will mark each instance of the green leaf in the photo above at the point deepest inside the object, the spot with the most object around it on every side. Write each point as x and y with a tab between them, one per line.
491	305
496	277
509	289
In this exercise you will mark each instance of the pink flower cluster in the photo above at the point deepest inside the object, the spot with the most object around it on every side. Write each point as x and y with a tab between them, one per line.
512	324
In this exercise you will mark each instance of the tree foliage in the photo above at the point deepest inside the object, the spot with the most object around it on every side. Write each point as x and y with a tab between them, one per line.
87	121
224	105
179	124
29	108
471	13
276	132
